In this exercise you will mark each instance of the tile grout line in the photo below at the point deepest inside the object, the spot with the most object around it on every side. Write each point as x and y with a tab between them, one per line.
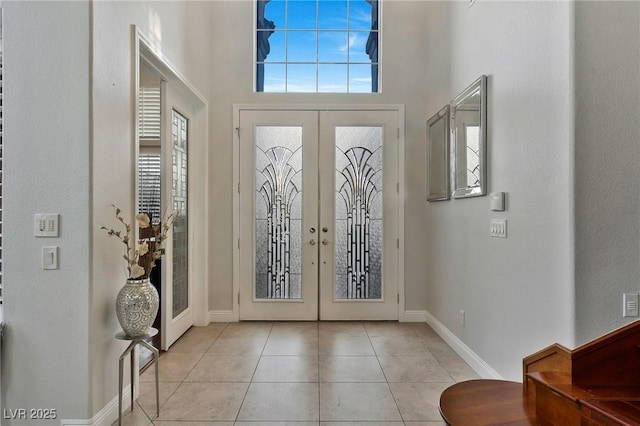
194	366
254	372
386	380
435	357
150	418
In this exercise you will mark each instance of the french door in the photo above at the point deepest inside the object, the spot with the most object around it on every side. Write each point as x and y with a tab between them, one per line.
318	215
177	288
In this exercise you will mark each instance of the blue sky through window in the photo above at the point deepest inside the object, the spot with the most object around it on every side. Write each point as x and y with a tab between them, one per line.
317	46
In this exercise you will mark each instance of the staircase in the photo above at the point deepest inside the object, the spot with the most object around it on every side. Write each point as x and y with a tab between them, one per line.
597	383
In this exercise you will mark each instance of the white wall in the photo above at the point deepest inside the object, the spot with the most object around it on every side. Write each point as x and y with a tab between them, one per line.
69	149
606	163
517	293
403	82
46	170
181	31
69	145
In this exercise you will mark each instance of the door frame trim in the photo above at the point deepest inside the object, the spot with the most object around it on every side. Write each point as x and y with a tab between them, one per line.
151	53
237	108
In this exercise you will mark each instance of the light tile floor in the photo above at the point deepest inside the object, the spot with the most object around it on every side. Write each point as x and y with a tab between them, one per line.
301	374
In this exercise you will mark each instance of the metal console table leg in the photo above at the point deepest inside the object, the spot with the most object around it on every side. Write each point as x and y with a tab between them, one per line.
138	340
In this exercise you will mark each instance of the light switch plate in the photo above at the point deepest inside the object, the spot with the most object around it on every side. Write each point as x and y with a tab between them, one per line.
498	228
50	257
46	224
630	308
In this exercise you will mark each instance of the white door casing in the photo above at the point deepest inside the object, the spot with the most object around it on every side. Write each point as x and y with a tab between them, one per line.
148	52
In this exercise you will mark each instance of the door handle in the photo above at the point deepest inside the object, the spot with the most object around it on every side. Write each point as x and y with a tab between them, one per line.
325	242
325	229
312	230
312	242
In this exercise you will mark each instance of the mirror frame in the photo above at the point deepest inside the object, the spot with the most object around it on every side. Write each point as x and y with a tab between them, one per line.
438	156
459	191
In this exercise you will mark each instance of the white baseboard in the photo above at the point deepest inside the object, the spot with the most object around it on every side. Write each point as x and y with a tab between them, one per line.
479	366
413	316
221	316
406	316
107	415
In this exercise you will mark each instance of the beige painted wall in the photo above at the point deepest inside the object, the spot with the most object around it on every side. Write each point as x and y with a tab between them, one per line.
181	31
607	154
517	293
46	169
404	81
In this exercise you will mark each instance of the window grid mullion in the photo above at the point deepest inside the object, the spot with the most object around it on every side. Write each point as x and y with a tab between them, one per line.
348	47
286	46
287	30
317	46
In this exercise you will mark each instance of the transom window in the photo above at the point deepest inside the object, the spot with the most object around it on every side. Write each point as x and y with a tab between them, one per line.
316	46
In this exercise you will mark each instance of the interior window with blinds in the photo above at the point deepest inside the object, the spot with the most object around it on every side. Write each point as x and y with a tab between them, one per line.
149	158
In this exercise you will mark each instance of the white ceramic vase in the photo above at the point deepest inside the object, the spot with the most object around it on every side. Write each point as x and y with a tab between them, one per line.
137	306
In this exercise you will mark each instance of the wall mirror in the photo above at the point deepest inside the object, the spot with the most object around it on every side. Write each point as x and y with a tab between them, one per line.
469	140
438	156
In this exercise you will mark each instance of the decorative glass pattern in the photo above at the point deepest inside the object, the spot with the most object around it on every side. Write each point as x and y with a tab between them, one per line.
180	226
278	212
358	212
472	139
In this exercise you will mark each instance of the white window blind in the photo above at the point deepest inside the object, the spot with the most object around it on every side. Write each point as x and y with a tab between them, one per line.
149	112
149	184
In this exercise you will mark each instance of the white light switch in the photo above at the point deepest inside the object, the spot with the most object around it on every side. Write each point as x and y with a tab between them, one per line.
50	257
498	228
46	225
630	308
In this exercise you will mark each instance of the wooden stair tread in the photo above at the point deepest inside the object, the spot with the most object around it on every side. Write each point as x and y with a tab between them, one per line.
625	413
557	382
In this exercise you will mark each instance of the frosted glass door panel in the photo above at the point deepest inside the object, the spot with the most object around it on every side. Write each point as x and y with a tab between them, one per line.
177	286
359	215
358	212
180	228
278	212
278	215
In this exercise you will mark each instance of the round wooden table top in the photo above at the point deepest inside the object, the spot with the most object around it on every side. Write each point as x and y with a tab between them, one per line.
486	402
